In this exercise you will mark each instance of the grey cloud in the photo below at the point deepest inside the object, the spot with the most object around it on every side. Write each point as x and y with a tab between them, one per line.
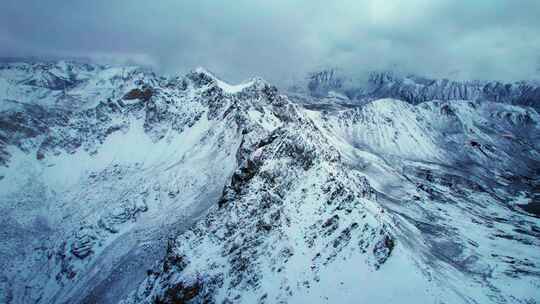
280	39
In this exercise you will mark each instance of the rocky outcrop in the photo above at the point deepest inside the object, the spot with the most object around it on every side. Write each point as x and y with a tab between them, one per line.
256	233
143	94
320	83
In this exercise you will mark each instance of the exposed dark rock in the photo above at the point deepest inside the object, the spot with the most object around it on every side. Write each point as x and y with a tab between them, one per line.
382	250
83	245
143	94
180	293
532	208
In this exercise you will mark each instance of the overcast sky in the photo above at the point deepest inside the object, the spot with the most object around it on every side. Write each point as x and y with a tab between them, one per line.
284	39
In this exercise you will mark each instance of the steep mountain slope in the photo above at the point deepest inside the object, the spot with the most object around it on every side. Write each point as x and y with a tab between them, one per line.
190	189
370	205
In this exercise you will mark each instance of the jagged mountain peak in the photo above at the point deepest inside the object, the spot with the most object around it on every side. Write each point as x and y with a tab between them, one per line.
256	83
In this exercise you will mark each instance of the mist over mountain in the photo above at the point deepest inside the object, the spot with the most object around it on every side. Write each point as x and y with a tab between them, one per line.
335	84
283	40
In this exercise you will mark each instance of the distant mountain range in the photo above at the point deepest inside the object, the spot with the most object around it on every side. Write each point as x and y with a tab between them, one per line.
415	89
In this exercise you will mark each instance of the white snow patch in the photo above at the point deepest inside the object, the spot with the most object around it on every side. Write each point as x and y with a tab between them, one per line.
226	87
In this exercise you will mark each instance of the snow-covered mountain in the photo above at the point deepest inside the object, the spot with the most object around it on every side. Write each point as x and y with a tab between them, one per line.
330	83
118	185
